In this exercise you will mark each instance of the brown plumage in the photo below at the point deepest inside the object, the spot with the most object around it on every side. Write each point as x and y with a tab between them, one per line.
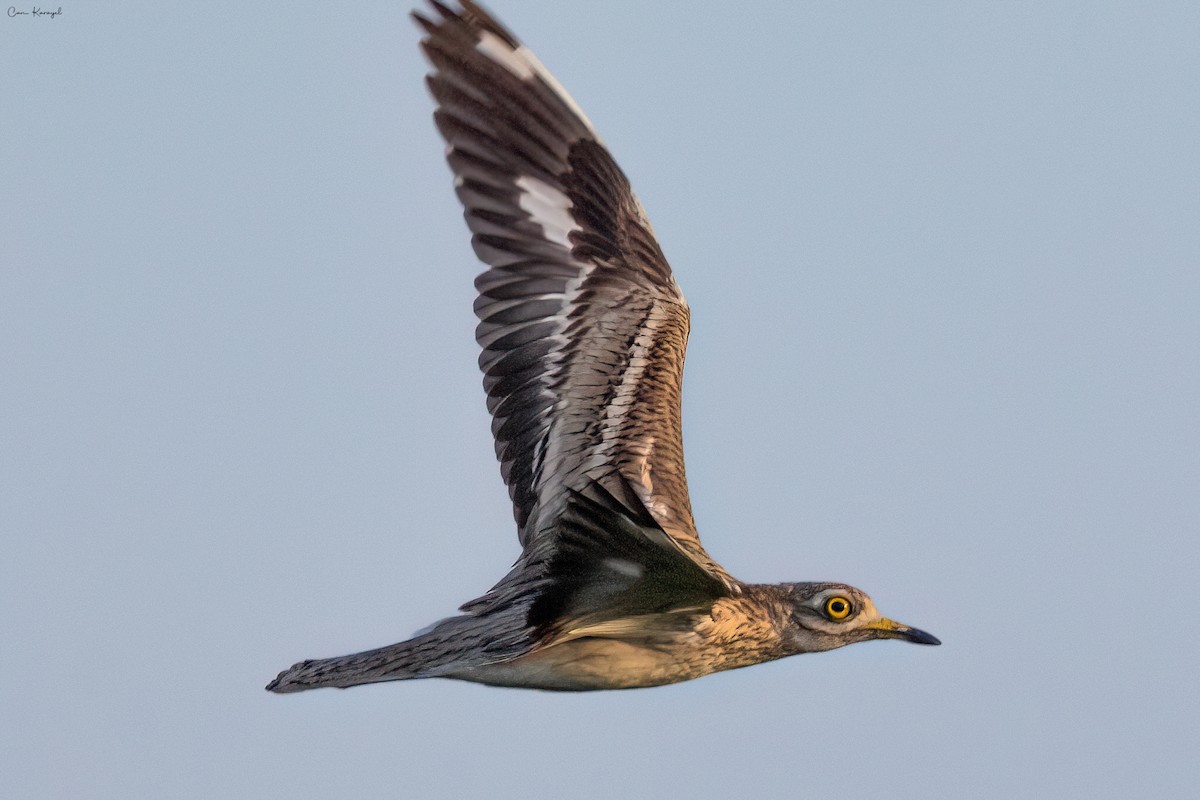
583	331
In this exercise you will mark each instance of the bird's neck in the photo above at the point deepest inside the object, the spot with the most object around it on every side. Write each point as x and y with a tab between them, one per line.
747	628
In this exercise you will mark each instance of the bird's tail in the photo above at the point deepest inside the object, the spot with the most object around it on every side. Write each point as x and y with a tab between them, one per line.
453	644
393	663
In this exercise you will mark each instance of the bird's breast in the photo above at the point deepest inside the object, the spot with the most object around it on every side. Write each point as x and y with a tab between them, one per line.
635	653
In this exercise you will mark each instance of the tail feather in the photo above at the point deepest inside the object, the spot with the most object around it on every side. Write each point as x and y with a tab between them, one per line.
392	663
454	644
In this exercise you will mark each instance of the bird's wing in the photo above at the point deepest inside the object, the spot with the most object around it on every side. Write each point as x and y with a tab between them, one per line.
582	326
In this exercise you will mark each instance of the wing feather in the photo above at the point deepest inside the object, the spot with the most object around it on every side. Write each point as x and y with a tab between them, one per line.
582	326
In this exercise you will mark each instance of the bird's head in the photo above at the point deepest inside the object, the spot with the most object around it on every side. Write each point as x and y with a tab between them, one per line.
824	616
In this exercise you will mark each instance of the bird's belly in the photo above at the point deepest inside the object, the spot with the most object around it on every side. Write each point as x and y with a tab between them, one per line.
588	664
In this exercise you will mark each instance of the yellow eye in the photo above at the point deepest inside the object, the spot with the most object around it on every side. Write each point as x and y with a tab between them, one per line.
838	608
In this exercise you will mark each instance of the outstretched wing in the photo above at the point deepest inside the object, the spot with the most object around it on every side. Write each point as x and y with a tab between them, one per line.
582	326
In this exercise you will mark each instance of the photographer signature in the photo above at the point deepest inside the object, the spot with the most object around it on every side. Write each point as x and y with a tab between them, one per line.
35	12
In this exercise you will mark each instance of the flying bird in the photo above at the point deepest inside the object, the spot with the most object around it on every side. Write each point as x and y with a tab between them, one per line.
582	329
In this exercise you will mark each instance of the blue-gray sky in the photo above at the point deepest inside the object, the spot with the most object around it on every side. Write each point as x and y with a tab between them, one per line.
944	267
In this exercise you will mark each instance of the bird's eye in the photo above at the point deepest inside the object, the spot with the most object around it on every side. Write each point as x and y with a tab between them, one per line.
837	608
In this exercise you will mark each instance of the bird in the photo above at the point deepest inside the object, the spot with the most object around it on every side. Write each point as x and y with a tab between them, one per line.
582	330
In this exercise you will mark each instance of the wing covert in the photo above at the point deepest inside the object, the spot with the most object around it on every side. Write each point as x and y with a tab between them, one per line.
582	326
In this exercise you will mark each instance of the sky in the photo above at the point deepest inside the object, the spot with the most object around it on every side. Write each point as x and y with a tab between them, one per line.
943	260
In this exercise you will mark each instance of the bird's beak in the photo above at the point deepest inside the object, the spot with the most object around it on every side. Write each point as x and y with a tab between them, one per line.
894	630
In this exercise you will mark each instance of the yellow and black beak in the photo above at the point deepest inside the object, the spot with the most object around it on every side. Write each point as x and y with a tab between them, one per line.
887	629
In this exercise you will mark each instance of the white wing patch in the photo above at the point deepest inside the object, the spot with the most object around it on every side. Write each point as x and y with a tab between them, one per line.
548	207
558	88
498	50
624	567
525	65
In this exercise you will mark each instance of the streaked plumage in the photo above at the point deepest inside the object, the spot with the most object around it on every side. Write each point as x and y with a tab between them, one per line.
583	331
